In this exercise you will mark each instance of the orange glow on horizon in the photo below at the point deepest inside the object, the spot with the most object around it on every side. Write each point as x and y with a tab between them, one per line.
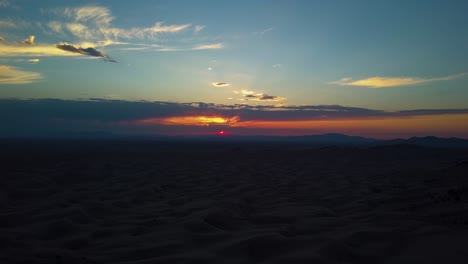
442	125
431	124
192	120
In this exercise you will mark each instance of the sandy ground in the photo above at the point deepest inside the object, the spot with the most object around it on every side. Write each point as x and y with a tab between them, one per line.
130	202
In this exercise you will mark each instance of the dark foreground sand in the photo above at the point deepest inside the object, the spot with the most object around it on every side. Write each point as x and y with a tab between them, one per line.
136	202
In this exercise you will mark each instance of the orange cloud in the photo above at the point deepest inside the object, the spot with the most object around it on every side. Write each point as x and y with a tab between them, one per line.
192	120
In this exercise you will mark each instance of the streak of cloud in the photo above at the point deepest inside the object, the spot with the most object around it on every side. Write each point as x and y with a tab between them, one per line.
84	51
7	24
263	32
209	46
385	82
220	84
35	60
263	97
11	50
12	75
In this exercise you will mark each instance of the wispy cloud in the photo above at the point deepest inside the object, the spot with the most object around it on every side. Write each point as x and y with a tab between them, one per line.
7	24
220	84
84	51
384	82
92	26
209	46
5	3
12	75
94	23
156	47
35	60
198	28
263	32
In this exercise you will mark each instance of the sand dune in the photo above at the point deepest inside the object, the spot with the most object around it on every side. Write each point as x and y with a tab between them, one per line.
130	202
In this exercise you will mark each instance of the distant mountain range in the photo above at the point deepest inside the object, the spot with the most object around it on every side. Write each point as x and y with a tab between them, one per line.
334	139
430	142
341	139
323	139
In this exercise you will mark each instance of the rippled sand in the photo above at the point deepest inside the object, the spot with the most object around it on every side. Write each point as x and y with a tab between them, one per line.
149	202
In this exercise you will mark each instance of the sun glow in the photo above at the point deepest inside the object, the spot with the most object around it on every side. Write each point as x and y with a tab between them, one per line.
193	120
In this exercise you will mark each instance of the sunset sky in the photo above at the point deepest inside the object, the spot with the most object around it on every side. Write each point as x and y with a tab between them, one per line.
377	68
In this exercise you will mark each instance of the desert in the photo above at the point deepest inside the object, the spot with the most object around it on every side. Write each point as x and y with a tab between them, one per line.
85	201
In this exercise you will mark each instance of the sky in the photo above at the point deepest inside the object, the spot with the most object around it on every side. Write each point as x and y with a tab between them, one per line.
382	69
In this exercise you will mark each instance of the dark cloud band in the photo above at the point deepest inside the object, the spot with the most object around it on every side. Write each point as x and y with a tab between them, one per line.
84	51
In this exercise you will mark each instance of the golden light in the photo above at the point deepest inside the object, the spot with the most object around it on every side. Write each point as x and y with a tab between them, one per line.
192	120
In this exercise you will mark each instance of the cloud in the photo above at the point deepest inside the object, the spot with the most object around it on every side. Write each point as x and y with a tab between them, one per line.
12	50
52	116
29	40
93	26
7	24
2	39
255	96
55	26
187	120
245	92
210	68
5	3
263	32
11	75
198	28
209	46
93	23
385	82
278	65
220	84
84	51
35	60
155	47
263	97
28	48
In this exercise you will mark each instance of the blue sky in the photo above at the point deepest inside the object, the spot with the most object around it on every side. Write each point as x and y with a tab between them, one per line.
385	55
